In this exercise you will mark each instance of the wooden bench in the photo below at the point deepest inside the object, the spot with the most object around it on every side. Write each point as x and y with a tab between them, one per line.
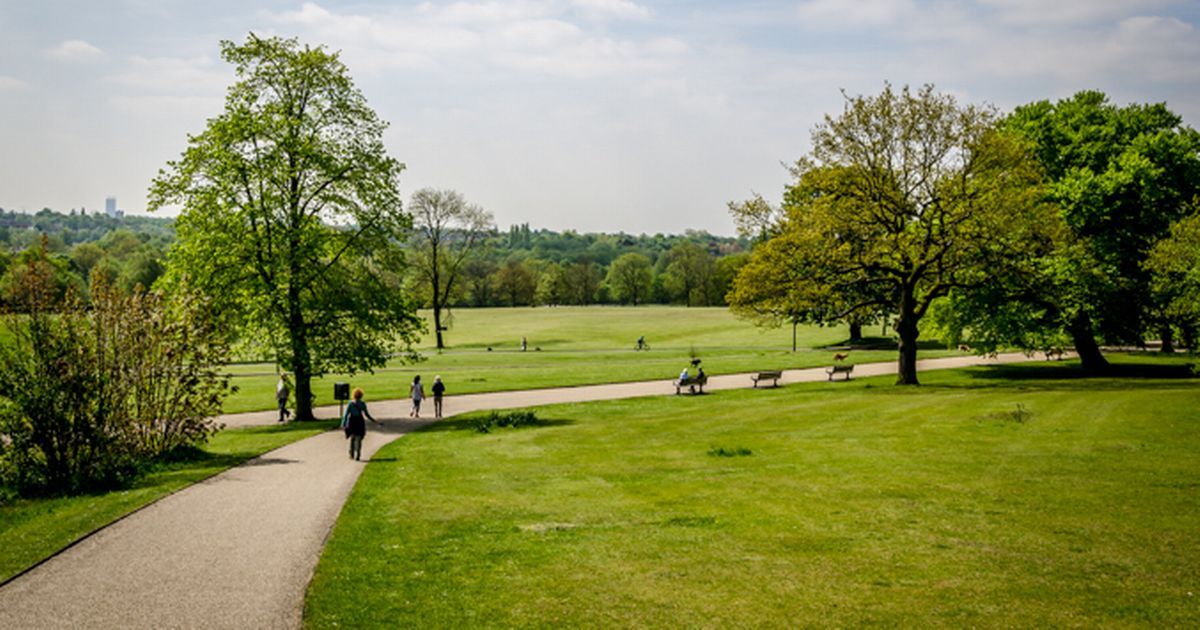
767	376
839	369
691	382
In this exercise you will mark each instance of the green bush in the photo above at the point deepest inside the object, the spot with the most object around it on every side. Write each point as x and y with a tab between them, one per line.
92	394
513	419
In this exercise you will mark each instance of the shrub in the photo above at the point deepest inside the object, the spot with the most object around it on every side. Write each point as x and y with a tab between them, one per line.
514	419
721	451
89	395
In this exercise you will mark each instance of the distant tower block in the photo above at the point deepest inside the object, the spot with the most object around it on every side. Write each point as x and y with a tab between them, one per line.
110	206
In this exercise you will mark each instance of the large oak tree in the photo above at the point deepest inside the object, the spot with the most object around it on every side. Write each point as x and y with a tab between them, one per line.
904	197
291	214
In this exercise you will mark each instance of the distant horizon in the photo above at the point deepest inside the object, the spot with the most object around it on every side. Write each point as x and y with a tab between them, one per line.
498	227
604	115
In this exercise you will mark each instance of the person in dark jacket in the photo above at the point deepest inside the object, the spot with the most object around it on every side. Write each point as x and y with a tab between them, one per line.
354	422
438	390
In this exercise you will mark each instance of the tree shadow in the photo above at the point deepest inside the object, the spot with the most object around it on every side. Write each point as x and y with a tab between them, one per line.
1072	376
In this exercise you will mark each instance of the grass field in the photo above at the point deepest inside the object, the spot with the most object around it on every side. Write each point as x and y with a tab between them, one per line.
578	346
33	529
1017	496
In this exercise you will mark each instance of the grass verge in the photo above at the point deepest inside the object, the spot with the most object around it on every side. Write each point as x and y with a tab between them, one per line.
1022	496
34	529
578	346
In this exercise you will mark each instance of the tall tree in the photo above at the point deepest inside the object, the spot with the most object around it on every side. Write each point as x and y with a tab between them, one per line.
630	278
291	212
903	197
516	282
584	278
1119	177
447	233
552	287
689	273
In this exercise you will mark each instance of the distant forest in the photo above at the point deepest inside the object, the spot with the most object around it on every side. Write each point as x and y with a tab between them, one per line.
522	266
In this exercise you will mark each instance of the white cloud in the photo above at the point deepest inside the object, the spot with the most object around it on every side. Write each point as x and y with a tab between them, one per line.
855	13
76	50
11	84
531	38
172	75
611	9
1076	12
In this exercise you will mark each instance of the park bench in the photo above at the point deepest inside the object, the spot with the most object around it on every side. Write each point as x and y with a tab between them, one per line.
839	369
767	376
691	382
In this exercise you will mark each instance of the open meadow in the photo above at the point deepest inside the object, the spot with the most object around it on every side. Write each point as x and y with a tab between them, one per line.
570	346
1011	496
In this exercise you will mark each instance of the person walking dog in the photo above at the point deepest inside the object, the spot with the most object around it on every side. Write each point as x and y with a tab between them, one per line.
354	423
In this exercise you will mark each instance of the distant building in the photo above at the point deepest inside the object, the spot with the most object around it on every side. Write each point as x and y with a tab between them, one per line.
110	208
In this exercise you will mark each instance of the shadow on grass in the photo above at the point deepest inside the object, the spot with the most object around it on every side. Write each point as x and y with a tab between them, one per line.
1070	375
470	422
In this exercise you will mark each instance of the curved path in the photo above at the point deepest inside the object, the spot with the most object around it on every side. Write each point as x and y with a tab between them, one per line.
238	550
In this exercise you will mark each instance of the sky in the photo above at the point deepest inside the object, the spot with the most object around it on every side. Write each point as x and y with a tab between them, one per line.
593	115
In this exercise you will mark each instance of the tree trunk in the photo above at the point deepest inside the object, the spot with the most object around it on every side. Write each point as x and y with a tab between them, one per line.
906	327
1085	345
794	325
855	331
435	276
1168	338
437	323
301	361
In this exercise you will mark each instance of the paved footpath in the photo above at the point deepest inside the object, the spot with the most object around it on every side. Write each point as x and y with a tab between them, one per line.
238	550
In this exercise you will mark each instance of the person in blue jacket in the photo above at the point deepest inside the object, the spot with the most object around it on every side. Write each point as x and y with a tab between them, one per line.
354	422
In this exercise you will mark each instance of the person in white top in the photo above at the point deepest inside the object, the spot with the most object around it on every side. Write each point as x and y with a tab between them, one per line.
417	392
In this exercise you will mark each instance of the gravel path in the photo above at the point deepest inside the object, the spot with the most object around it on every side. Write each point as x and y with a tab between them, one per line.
238	550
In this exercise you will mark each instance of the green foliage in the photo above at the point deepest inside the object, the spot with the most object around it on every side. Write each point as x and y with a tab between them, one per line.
1118	176
291	215
509	420
1174	263
721	451
91	394
904	197
629	277
690	275
20	230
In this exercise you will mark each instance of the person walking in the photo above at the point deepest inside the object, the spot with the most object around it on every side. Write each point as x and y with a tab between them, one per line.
438	390
354	423
417	393
282	390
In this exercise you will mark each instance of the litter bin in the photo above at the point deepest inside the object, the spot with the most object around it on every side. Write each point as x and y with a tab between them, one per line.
341	393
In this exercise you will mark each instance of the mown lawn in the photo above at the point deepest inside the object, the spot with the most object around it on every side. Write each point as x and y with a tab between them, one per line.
1017	496
33	529
577	346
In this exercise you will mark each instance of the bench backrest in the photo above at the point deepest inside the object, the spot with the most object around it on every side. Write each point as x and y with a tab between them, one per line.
843	368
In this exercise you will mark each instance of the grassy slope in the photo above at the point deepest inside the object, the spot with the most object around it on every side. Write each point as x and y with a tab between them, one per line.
32	529
580	345
861	503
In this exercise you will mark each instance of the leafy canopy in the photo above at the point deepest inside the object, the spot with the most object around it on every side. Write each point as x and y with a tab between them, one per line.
291	213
